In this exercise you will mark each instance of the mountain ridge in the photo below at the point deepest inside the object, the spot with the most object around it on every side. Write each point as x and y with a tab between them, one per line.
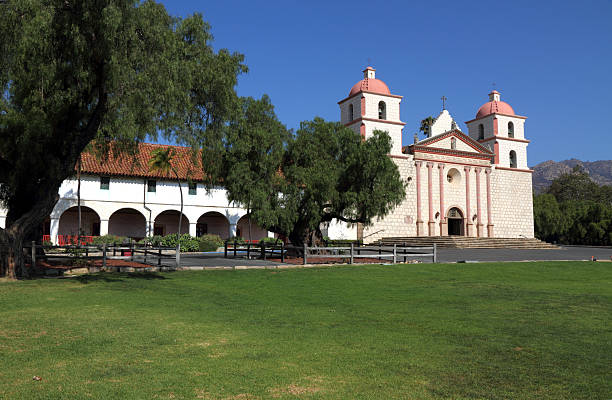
545	172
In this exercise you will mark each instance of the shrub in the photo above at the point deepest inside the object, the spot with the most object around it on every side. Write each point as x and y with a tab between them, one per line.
269	240
110	239
210	243
154	241
188	242
237	239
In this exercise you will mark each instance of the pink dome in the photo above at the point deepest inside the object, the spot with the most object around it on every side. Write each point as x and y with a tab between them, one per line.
370	85
494	106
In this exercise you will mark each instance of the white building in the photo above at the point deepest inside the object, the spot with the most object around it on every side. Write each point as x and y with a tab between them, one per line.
122	197
475	185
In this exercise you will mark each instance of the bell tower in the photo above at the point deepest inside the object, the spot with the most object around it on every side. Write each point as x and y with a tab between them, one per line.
370	106
498	128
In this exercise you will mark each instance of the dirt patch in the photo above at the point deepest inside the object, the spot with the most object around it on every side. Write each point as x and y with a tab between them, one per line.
66	264
294	390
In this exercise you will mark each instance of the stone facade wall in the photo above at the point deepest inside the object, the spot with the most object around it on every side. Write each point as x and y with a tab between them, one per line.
512	207
402	220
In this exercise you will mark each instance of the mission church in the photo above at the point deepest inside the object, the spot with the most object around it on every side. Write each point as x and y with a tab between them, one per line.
475	185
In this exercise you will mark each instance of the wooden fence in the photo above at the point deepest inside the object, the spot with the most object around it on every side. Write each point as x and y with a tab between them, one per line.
351	252
132	252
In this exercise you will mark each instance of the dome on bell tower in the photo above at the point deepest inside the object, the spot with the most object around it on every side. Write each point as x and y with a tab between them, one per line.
494	106
369	83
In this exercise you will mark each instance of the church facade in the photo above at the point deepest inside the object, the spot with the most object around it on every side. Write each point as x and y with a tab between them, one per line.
476	184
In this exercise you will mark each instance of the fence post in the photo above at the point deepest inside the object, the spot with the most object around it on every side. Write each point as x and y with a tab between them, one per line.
404	251
159	255
394	253
225	249
131	250
114	249
263	250
435	255
282	252
145	255
104	255
234	248
86	251
33	255
305	250
352	250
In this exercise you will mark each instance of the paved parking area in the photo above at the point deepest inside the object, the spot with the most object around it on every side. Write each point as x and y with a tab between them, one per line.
564	253
444	255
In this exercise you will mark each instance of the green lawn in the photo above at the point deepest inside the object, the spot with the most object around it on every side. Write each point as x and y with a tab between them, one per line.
445	331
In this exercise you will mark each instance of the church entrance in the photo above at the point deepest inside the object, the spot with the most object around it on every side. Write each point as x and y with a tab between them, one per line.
455	222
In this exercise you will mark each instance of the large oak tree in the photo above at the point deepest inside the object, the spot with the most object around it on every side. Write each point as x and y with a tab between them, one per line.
107	71
323	172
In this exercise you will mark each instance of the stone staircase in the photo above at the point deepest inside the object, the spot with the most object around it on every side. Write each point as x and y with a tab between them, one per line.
462	242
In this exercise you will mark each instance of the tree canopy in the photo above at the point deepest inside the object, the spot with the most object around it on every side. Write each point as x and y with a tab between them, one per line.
325	171
113	72
574	210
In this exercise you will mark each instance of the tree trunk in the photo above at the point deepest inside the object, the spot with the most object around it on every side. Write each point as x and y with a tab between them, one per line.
178	246
249	217
12	263
79	200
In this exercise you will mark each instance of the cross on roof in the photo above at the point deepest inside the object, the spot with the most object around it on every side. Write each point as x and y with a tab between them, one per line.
443	98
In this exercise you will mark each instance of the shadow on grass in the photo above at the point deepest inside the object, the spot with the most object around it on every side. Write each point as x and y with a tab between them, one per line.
118	277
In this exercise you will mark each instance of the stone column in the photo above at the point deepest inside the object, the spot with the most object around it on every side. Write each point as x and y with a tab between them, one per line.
192	229
54	229
232	230
478	214
469	226
443	224
489	216
419	221
431	225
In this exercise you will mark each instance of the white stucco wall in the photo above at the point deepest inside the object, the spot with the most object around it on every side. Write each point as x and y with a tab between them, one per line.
443	123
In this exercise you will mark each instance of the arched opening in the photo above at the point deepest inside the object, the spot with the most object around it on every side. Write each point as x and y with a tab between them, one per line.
167	223
350	112
512	159
213	223
455	222
510	130
127	222
382	110
68	229
453	144
480	132
242	229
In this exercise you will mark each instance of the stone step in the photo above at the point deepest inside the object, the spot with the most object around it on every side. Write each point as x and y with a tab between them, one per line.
468	242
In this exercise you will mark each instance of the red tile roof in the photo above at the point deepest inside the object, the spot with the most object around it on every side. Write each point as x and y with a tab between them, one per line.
186	164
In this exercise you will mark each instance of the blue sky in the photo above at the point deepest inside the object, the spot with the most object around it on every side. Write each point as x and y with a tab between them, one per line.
551	60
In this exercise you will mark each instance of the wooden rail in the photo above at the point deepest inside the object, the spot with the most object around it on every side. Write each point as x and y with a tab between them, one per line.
393	253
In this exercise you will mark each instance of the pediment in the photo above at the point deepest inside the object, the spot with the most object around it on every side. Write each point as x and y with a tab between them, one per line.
464	146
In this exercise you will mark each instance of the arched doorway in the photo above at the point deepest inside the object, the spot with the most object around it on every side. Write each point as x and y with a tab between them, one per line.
68	229
455	222
242	230
166	223
129	223
213	223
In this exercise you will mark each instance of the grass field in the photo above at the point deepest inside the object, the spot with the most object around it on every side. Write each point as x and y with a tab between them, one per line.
446	331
